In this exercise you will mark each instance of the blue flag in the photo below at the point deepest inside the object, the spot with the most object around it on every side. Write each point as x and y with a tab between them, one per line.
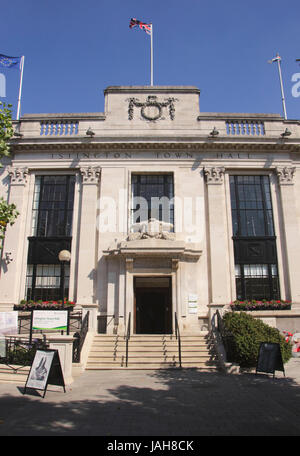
9	62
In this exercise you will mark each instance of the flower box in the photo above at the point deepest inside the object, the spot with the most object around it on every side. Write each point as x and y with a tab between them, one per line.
44	305
260	305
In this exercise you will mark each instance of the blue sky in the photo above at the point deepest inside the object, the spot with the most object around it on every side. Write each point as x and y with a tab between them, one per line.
74	49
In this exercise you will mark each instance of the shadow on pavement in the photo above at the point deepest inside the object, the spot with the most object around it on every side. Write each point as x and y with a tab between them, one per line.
157	403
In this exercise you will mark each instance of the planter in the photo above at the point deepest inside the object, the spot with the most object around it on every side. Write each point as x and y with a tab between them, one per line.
46	305
260	305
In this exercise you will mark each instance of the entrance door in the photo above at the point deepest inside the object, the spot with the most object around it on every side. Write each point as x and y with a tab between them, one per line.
153	305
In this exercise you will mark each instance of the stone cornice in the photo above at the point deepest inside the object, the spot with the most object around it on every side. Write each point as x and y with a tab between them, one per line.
151	89
187	146
62	116
155	247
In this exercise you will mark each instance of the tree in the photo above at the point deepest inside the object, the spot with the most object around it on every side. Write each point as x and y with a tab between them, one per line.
8	212
6	129
8	215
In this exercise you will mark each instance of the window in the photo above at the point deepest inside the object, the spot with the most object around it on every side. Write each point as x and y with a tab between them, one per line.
53	206
251	206
43	281
254	238
51	230
256	281
152	197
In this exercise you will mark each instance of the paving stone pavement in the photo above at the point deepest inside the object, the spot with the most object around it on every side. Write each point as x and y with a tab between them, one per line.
158	403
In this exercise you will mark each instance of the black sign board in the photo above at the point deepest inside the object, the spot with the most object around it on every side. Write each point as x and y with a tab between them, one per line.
269	358
45	370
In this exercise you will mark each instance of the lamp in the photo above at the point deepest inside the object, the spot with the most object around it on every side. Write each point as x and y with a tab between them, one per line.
90	132
214	132
64	257
286	133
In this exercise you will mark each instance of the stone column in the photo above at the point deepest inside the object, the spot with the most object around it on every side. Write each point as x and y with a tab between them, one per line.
112	293
122	291
129	296
219	269
87	251
290	231
93	313
14	242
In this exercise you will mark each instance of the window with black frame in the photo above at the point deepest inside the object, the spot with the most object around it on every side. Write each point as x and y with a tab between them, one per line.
53	206
152	197
51	231
256	271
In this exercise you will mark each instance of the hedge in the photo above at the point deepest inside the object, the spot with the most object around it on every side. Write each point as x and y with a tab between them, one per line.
246	335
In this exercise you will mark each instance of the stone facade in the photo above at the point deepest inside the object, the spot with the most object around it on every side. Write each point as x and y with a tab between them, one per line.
155	131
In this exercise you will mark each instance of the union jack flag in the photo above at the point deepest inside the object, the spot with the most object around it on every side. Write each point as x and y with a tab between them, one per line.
146	27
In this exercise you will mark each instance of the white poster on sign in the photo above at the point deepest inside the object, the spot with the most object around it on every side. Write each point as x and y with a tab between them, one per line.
40	369
51	320
8	323
193	298
193	310
192	303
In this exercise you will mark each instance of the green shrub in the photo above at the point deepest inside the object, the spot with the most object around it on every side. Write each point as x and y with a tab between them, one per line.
247	333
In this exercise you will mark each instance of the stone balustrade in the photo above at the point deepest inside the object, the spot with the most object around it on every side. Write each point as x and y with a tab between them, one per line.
245	127
60	127
212	126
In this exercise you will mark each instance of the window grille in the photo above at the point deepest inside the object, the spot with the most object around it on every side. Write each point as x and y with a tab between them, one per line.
152	197
254	238
43	281
51	230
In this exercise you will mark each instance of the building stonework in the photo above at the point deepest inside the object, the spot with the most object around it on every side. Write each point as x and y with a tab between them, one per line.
223	221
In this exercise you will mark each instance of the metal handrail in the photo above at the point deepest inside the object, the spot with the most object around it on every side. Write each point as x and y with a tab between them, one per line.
19	351
80	338
177	334
128	337
226	337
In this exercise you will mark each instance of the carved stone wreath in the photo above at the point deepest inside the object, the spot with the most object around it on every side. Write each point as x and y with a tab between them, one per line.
151	103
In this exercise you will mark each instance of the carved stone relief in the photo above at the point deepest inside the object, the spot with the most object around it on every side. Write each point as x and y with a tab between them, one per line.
153	229
286	175
18	176
214	175
152	109
90	174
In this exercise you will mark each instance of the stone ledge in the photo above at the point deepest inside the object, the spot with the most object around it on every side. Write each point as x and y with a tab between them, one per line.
272	313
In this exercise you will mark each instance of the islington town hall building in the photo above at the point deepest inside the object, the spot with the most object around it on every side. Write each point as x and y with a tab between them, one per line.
169	213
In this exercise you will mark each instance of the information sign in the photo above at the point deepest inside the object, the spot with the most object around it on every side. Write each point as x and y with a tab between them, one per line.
50	320
8	323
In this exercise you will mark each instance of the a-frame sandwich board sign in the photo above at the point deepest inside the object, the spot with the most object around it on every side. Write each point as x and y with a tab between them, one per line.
269	358
45	370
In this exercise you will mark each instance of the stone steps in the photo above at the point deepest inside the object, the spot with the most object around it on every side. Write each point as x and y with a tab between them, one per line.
14	374
150	352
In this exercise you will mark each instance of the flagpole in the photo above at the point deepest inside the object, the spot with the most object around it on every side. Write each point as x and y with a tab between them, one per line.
20	87
281	85
151	55
278	60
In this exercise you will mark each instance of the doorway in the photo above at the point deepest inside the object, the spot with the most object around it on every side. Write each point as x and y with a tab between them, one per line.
153	305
